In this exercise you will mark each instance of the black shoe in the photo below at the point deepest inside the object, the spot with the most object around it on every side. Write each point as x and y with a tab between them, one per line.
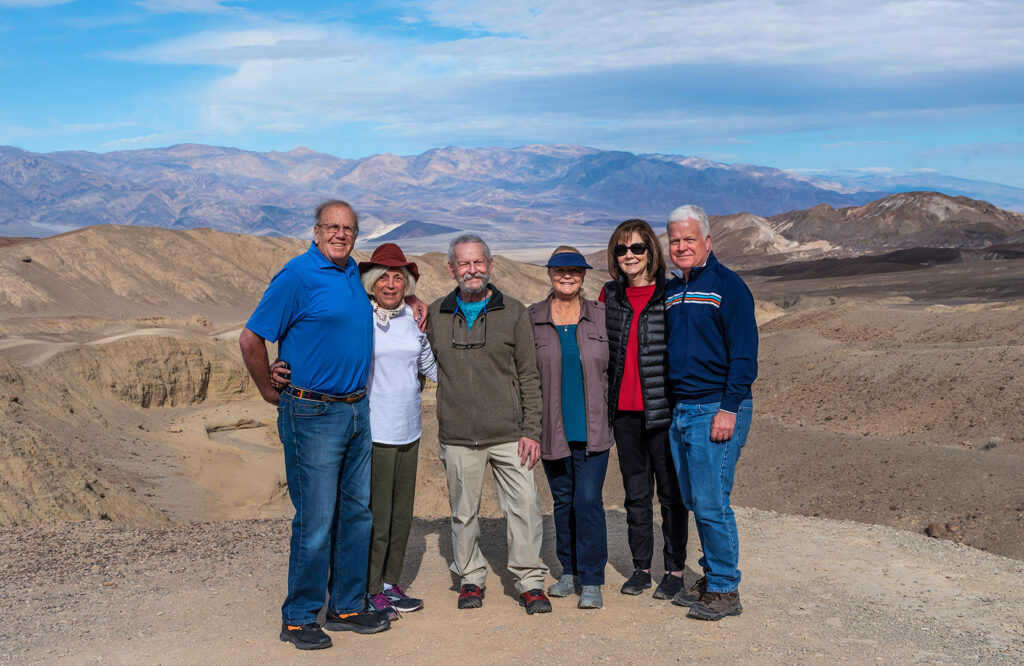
363	622
535	602
716	605
637	583
471	596
307	637
668	587
692	595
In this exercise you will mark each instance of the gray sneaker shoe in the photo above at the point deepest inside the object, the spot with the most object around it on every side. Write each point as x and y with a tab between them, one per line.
590	597
566	585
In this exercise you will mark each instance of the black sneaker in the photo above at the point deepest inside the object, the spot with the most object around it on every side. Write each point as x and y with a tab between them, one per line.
363	622
668	587
716	605
639	581
471	596
692	595
401	601
534	601
306	637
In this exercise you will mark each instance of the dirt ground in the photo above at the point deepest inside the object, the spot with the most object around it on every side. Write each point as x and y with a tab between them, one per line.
144	512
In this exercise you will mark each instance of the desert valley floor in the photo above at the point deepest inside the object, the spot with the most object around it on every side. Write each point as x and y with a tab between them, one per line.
145	518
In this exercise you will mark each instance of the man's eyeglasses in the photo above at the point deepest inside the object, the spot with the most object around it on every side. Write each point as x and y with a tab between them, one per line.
333	229
635	248
471	345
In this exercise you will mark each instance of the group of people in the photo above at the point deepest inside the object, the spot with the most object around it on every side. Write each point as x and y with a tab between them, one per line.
660	365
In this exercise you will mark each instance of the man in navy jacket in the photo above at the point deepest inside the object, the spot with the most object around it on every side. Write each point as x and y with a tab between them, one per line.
712	361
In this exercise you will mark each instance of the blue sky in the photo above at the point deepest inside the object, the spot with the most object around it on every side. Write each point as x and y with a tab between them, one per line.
794	84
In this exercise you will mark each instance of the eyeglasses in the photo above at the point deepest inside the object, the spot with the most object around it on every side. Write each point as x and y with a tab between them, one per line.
636	248
470	345
333	229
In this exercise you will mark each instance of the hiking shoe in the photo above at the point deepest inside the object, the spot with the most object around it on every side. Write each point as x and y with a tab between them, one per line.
305	637
399	600
590	597
716	605
535	602
565	586
380	603
689	597
668	587
471	596
639	581
364	622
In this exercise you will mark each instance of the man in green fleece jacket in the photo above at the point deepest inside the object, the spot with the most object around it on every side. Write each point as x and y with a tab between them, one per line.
488	411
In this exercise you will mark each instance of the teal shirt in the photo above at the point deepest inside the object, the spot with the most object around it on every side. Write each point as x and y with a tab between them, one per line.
574	408
472	310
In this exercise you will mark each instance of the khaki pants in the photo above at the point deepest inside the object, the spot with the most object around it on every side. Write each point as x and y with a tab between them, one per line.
517	495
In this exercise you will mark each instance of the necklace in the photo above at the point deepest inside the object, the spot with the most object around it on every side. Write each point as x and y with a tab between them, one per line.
563	323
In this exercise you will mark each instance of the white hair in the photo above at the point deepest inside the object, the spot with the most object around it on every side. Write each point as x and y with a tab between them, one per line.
370	277
466	238
691	212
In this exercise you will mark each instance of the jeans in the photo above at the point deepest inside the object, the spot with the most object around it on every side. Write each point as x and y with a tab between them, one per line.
581	536
327	463
706	470
644	458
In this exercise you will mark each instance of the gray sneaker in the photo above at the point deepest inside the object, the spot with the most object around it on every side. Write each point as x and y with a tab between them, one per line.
566	585
590	597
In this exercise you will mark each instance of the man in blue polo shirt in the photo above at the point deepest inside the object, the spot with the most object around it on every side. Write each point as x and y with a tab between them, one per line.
317	311
712	361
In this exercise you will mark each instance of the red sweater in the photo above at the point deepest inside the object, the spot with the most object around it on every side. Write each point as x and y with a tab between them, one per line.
630	398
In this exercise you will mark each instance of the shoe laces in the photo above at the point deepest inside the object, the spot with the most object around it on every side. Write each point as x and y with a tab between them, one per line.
380	602
398	591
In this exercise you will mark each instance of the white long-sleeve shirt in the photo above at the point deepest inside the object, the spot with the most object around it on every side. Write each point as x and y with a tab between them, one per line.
400	354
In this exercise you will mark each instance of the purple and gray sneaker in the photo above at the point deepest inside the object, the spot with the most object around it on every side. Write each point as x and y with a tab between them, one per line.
406	604
381	604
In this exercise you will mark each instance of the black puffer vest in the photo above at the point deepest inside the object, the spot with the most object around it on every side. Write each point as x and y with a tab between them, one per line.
652	336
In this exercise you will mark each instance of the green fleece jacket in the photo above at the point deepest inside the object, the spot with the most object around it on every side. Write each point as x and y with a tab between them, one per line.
488	386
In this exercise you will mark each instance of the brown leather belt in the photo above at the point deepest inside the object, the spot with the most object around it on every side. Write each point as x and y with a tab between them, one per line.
305	394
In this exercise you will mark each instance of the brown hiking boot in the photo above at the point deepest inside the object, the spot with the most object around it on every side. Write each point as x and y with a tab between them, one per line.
690	596
716	605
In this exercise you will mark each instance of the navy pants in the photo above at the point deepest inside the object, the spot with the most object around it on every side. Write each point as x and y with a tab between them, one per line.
581	536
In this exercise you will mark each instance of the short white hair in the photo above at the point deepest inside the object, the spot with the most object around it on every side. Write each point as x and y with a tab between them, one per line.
370	277
691	212
467	238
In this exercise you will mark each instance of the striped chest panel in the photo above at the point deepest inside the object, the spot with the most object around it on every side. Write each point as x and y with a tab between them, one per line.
695	298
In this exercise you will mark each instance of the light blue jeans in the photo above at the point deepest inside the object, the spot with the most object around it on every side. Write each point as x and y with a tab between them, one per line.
327	462
706	470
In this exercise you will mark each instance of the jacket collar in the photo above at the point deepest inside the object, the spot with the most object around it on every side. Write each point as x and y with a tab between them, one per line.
659	288
451	301
695	272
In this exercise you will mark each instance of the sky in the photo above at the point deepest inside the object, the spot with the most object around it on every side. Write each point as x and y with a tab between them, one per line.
793	84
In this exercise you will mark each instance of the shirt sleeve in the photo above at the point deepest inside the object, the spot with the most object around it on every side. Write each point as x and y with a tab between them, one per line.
741	340
426	363
279	307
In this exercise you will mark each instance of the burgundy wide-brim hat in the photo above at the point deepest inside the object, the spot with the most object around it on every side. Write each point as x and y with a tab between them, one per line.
391	256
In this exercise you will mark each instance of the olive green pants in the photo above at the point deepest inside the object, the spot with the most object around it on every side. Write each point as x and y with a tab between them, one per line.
392	492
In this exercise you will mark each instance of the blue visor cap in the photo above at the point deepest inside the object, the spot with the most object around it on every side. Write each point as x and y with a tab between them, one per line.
567	259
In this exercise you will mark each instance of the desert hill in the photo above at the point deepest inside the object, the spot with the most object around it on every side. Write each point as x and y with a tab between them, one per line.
142	489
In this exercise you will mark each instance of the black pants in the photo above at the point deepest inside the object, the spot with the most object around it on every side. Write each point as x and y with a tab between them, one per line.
645	459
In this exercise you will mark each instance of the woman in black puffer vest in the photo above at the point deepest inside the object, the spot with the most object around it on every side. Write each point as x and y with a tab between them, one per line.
640	404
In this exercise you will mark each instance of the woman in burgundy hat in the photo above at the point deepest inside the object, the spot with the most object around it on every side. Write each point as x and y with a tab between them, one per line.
401	355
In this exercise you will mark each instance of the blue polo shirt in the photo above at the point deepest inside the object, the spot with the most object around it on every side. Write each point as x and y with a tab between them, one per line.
321	318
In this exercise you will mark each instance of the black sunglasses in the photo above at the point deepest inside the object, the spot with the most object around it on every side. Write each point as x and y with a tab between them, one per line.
635	248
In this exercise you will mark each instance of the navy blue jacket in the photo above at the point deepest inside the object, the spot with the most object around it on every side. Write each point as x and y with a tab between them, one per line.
712	337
